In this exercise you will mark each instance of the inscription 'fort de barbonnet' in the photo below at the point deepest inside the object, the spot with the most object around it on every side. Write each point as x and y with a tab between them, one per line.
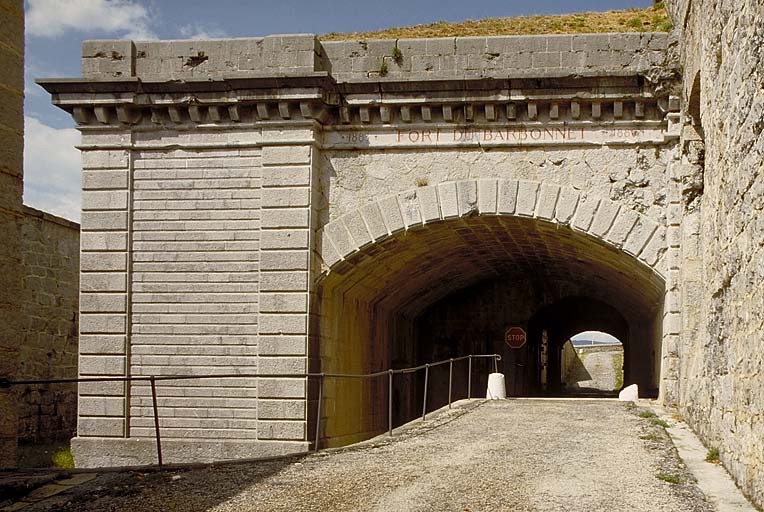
516	135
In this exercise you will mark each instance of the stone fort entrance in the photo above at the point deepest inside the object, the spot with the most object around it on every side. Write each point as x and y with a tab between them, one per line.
281	205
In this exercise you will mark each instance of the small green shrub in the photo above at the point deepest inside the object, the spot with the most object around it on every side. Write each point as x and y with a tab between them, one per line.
647	414
667	477
635	23
712	455
397	55
383	68
659	422
63	459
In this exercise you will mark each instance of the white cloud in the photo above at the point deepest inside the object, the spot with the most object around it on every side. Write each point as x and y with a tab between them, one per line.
52	169
198	31
52	18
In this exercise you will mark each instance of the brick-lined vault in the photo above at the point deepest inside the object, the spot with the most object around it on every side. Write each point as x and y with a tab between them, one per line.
401	272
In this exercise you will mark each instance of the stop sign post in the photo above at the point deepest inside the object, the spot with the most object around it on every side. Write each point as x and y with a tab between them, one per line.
514	337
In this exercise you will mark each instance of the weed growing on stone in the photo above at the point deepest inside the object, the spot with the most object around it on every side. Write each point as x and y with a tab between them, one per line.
647	414
713	455
383	68
63	459
397	55
667	477
659	422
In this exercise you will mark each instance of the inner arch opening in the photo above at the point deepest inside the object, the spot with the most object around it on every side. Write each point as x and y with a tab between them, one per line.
452	288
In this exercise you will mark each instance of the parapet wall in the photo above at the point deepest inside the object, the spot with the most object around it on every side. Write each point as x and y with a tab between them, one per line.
48	347
362	60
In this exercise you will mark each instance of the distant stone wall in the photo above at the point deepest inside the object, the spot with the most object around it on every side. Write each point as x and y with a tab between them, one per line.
11	215
721	174
48	347
598	367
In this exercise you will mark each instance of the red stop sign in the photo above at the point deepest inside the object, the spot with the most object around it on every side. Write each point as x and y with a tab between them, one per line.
514	337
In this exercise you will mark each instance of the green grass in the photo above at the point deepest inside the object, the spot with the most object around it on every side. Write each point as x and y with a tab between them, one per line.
647	414
659	422
63	459
650	19
712	455
667	477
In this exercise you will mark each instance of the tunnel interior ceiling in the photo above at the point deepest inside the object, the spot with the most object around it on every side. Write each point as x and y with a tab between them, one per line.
407	273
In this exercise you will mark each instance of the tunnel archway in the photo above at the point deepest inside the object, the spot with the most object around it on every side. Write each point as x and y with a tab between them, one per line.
436	252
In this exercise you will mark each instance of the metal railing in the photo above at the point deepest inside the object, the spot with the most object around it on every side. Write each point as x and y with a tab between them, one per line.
153	379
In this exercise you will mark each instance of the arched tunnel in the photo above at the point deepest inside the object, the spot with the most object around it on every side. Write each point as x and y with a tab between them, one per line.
451	288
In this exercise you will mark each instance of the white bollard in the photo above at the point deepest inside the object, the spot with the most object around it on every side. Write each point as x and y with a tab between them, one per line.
629	394
496	388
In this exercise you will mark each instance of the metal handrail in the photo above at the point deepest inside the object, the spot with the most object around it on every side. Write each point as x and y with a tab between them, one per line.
152	380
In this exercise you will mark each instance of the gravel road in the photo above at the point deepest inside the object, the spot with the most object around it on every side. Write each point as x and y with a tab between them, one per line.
514	455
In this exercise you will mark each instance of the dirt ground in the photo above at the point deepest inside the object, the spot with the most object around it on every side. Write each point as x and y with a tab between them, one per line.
514	455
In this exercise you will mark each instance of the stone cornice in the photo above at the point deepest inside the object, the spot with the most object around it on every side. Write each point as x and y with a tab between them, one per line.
233	101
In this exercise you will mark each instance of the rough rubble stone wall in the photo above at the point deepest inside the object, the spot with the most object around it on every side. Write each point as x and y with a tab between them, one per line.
722	379
48	349
11	212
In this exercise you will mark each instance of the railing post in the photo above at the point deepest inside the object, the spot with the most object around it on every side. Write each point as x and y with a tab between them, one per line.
424	401
450	379
156	419
318	409
495	364
390	402
469	377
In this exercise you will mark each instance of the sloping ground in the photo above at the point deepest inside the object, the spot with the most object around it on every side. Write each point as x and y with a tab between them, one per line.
651	19
505	455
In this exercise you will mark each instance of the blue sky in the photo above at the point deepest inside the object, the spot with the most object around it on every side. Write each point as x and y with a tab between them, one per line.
55	28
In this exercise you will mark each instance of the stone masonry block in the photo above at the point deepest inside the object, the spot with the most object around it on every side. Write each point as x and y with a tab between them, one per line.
428	203
292	281
101	344
655	247
281	409
100	427
105	200
547	201
94	261
281	388
103	220
109	241
340	237
410	208
329	254
283	324
103	303
284	239
639	235
102	365
92	323
487	196
622	226
285	197
466	193
101	406
374	221
391	212
101	180
103	282
507	196
587	207
566	205
285	176
279	155
101	389
603	219
449	204
527	193
283	365
285	218
283	303
105	159
284	260
357	228
283	429
282	346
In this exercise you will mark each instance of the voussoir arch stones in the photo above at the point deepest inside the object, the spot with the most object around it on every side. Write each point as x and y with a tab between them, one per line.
614	224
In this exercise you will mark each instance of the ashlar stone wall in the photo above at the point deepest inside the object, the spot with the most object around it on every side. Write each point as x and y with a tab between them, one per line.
11	213
722	173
